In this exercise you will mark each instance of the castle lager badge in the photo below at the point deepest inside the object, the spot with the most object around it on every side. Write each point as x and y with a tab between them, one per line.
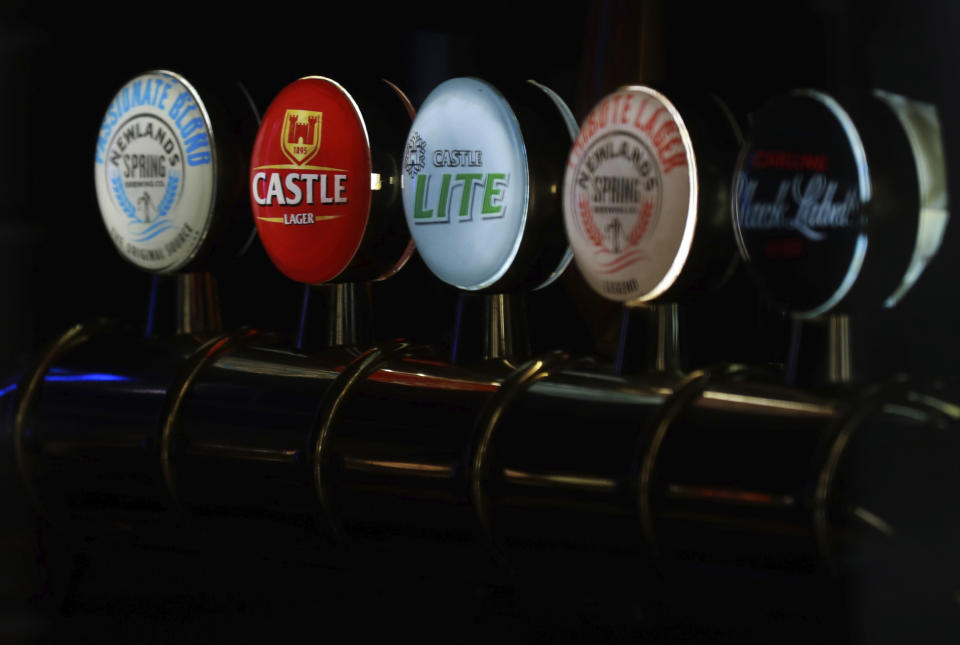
799	191
310	180
465	184
155	171
630	195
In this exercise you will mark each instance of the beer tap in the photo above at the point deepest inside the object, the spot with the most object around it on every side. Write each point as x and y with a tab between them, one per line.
324	188
169	165
838	208
481	179
325	192
646	199
481	192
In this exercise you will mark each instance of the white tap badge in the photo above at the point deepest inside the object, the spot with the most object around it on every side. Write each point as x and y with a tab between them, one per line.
465	183
630	195
155	171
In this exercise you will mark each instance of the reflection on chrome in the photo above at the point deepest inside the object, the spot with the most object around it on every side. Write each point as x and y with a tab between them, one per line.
406	467
244	364
949	409
873	521
146	390
431	381
777	405
589	392
904	411
730	496
240	452
567	481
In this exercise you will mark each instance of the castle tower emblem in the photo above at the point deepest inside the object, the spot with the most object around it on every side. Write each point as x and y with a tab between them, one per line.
300	136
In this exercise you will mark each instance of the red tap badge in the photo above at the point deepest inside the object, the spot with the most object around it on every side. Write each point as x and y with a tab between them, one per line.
310	180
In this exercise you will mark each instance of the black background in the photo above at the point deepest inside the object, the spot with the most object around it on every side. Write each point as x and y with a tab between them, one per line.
59	70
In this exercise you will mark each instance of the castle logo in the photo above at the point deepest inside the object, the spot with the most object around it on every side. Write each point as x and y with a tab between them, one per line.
415	157
300	135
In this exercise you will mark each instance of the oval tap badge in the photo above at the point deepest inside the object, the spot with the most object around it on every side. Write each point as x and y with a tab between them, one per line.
630	195
310	180
466	184
155	171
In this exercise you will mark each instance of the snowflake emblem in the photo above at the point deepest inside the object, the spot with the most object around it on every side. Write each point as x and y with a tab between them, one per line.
415	157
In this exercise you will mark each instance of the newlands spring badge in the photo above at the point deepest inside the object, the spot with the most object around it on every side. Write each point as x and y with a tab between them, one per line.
155	171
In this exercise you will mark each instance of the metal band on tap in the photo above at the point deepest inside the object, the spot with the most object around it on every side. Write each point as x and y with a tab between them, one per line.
481	447
352	373
30	391
170	433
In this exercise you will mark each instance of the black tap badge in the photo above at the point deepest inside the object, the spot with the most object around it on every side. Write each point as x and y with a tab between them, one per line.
799	190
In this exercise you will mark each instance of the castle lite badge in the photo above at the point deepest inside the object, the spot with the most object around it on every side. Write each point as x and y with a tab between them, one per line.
154	171
468	190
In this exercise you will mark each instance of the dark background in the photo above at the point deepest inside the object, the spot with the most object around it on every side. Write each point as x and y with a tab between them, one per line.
58	71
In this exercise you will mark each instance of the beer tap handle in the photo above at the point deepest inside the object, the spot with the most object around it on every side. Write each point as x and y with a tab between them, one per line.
483	167
167	186
324	188
646	208
838	208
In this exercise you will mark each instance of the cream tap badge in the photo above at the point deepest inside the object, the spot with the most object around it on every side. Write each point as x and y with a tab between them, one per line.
630	195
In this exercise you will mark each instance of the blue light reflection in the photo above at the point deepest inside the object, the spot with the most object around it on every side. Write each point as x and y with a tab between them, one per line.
60	374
